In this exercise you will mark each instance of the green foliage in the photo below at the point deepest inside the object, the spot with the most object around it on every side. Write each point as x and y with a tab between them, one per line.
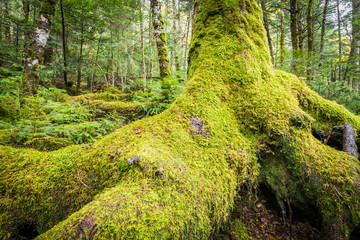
339	92
153	100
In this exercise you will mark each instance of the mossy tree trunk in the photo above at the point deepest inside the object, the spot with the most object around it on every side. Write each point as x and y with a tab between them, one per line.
36	49
163	55
238	122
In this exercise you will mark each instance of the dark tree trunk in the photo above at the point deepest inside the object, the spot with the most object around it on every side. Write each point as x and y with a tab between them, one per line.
294	31
323	28
310	39
267	28
35	52
282	34
353	67
78	83
64	42
143	64
340	38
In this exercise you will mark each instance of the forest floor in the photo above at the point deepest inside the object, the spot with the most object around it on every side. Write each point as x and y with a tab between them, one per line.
259	219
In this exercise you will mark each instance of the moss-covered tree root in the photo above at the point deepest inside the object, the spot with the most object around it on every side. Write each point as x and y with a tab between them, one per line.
236	118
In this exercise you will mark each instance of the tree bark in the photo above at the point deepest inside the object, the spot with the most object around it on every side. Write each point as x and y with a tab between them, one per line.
294	31
174	43
188	22
151	36
310	36
64	42
282	34
143	64
7	26
323	28
163	56
191	160
353	66
267	28
340	37
78	82
35	52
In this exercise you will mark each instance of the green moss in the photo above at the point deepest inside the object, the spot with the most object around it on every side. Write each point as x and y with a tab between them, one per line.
106	96
48	143
184	184
124	108
238	230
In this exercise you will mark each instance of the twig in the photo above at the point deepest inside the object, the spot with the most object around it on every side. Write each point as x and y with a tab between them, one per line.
82	181
332	130
338	193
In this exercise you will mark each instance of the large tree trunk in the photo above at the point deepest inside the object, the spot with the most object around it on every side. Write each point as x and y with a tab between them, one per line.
238	122
35	52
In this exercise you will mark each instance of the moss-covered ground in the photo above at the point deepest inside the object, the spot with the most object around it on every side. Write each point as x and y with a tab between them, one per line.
255	127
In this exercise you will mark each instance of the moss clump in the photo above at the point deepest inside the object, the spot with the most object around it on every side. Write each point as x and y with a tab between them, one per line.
48	143
184	184
105	96
124	108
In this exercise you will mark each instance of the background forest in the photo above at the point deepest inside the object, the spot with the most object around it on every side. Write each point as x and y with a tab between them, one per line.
100	68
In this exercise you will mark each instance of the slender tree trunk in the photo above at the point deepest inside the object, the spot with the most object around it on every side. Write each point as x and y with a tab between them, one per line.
282	34
64	42
310	38
126	64
163	56
7	25
353	66
35	51
294	31
323	27
189	18
112	60
151	34
339	35
143	64
174	55
1	22
94	67
267	29
78	83
26	10
300	33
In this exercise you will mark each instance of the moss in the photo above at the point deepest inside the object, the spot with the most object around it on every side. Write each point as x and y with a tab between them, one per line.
48	9
48	143
184	185
238	230
106	96
124	108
